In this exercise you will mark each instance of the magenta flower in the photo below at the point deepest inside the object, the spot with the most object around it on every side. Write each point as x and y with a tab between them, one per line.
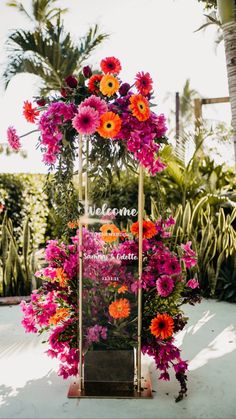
189	257
192	283
165	285
96	103
187	248
13	139
86	121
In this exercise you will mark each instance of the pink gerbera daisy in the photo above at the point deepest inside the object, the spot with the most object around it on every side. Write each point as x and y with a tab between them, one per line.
143	83
165	285
13	138
96	103
86	121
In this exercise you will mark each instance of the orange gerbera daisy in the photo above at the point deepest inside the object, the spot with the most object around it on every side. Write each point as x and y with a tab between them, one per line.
110	65
149	229
110	233
29	112
162	326
122	289
62	277
109	85
139	107
59	316
120	309
93	83
110	124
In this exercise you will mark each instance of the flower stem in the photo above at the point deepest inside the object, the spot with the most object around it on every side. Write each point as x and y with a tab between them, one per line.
28	133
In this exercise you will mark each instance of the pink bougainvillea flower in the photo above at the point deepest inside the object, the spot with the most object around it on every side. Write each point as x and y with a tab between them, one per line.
189	257
187	248
86	121
96	103
143	83
193	283
165	285
13	139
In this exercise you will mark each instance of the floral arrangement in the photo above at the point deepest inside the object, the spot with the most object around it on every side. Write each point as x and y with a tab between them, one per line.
118	124
101	106
110	296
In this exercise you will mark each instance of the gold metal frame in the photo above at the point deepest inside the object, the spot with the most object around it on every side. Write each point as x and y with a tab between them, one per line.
143	388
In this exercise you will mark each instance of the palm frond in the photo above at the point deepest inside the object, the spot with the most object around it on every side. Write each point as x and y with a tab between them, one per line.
49	54
19	6
91	40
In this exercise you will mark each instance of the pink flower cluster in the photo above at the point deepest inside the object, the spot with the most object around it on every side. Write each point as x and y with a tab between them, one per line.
142	138
87	120
162	278
166	354
51	125
96	332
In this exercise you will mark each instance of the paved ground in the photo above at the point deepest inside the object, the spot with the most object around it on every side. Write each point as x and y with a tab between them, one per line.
30	388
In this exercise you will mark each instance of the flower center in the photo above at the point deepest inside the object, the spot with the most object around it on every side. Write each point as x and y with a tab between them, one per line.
141	106
110	84
161	325
109	125
86	120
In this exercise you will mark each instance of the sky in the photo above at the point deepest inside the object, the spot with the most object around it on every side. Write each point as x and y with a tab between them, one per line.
152	35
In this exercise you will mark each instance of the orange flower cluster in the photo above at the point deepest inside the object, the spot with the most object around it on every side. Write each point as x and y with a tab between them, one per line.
60	315
139	107
122	289
109	85
110	233
120	309
149	229
62	277
162	326
110	125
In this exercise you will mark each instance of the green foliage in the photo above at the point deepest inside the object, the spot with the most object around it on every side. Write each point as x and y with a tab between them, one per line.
24	198
226	286
15	263
48	51
213	237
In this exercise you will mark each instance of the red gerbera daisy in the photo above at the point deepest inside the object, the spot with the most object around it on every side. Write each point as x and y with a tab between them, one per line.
143	83
110	65
94	83
29	112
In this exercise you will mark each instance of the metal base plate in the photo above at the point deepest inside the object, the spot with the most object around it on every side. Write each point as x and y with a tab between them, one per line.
99	390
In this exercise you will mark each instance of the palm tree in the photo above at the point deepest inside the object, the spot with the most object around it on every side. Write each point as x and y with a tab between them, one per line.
227	15
186	117
48	51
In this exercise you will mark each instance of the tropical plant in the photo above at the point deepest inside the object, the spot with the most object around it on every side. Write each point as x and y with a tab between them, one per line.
186	117
23	197
226	285
213	237
48	50
226	10
16	273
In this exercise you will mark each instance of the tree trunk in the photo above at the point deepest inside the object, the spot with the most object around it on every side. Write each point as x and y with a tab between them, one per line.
229	31
227	12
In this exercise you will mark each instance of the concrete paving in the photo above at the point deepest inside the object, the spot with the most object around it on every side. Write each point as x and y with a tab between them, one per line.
31	389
